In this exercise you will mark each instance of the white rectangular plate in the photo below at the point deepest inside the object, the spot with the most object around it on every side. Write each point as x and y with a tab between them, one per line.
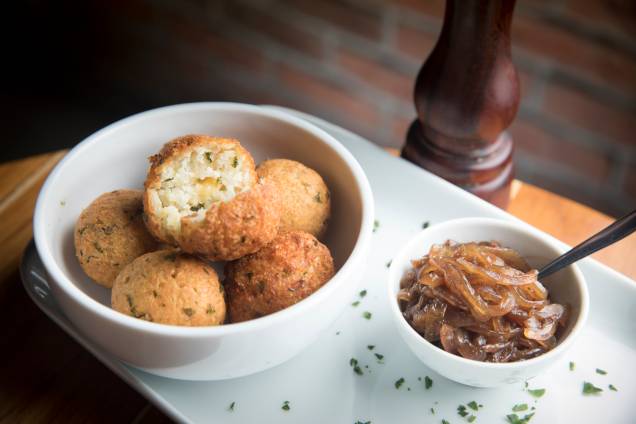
320	384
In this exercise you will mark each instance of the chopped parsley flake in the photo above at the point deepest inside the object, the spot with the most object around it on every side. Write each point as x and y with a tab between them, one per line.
197	207
399	383
362	422
473	405
337	333
433	411
317	198
356	303
600	371
235	162
428	383
572	365
366	315
62	203
612	388
376	225
536	392
388	264
363	293
380	357
590	389
520	407
188	311
356	368
425	225
514	418
445	422
370	347
231	407
461	410
208	156
471	418
285	406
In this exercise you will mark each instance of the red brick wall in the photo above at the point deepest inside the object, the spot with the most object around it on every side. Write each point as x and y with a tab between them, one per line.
354	62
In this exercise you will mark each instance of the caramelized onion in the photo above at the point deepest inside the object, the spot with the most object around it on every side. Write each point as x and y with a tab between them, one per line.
481	301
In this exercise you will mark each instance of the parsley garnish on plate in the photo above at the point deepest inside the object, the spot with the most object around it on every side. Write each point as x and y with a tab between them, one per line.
445	422
433	411
473	405
590	389
471	418
514	418
520	407
380	357
461	410
600	371
356	368
572	365
356	303
613	388
399	382
376	225
536	392
388	264
370	347
362	422
231	407
285	406
428	383
425	225
363	293
366	315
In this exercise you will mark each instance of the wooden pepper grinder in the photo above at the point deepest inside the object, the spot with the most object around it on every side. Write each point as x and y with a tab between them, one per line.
466	95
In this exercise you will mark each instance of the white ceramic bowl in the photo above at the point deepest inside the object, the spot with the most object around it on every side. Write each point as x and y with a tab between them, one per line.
116	157
566	286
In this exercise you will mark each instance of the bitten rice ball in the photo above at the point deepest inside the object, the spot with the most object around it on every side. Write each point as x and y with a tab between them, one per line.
110	233
202	194
305	199
293	266
170	287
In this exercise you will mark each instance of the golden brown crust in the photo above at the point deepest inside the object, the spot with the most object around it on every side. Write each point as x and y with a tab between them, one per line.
293	266
180	145
110	234
304	196
236	228
170	287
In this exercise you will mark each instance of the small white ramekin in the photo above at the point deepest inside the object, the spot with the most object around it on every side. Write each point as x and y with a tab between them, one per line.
566	286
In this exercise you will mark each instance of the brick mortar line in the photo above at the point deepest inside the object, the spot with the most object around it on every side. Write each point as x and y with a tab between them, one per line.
544	67
605	37
595	192
316	27
330	73
576	134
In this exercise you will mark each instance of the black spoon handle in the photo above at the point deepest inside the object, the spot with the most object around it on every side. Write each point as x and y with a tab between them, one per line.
620	229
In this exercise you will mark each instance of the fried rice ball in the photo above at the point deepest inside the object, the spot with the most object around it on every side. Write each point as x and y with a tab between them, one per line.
170	287
305	199
110	233
203	194
290	268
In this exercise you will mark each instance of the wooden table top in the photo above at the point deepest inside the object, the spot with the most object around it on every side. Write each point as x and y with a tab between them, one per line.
47	376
